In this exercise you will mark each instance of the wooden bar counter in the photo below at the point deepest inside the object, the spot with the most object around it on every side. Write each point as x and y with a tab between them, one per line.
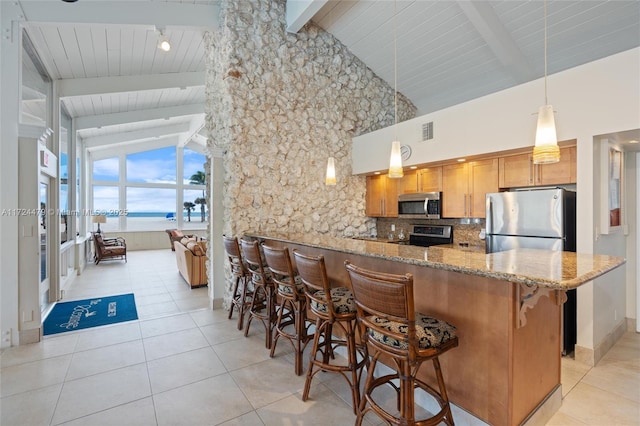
506	306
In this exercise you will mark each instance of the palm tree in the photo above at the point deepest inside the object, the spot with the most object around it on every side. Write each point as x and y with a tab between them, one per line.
203	202
198	178
188	205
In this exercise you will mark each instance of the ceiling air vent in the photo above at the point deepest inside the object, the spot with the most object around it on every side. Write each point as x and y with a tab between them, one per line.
427	131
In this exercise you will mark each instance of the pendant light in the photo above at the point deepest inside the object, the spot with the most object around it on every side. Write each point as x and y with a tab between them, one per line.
331	172
395	161
546	149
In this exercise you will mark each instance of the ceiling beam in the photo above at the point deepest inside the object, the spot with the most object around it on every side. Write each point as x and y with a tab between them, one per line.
146	13
299	12
486	22
136	135
113	150
128	83
117	118
194	128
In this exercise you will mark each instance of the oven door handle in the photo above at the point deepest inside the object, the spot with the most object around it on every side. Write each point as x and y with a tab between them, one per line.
426	205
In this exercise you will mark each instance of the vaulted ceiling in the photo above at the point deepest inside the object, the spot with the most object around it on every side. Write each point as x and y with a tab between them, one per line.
115	81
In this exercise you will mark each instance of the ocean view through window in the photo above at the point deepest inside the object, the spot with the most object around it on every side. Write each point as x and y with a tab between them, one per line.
148	197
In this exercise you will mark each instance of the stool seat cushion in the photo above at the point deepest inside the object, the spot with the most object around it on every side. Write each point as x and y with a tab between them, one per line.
287	290
431	332
342	298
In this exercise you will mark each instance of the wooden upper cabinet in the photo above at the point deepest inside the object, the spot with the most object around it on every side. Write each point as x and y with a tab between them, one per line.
430	179
562	172
483	179
455	187
519	170
381	197
422	180
465	185
408	184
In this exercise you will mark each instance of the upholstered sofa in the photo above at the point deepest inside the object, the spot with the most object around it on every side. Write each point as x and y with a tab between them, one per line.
191	257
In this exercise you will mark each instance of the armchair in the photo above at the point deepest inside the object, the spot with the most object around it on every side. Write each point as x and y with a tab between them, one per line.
109	248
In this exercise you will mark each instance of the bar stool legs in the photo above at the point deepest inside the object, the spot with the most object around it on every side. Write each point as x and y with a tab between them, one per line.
241	296
332	307
391	327
293	304
263	302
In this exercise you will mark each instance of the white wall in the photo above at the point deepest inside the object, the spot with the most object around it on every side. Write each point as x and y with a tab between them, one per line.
10	49
597	98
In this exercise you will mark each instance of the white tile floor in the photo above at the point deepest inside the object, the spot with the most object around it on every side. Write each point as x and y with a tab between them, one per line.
183	364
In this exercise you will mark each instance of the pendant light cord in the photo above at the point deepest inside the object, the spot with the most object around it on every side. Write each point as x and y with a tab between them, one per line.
545	53
395	73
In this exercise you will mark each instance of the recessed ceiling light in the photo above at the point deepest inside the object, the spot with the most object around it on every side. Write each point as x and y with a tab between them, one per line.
634	141
376	173
461	160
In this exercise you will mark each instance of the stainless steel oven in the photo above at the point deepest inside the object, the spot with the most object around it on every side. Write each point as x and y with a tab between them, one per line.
422	205
430	235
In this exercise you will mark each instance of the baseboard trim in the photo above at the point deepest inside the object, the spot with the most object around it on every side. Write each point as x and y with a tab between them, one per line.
591	357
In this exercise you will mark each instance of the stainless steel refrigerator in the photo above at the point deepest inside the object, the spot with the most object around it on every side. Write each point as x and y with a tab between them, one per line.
538	219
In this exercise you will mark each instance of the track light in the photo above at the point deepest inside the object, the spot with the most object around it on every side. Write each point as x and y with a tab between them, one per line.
163	43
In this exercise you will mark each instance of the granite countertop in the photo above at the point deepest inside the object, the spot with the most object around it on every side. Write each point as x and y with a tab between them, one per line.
552	269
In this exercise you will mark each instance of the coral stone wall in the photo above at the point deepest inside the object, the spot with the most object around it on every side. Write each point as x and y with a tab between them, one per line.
278	105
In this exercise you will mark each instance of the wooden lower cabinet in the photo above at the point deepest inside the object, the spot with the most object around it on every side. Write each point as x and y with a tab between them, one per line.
464	188
501	371
519	170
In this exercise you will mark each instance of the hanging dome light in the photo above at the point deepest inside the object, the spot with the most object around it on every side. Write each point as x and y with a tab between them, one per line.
331	172
546	149
395	160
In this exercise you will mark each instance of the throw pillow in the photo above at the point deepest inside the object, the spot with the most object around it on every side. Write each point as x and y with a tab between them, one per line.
195	248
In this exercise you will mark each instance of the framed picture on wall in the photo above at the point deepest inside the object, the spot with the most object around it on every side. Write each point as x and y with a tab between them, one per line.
615	187
612	188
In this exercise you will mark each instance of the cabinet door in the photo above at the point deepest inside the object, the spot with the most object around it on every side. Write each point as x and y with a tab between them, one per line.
455	186
483	179
374	197
430	179
408	184
381	197
515	171
562	172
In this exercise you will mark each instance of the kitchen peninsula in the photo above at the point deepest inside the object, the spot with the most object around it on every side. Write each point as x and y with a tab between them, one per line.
506	306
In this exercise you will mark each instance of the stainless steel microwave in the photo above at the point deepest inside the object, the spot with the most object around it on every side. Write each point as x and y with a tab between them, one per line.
423	205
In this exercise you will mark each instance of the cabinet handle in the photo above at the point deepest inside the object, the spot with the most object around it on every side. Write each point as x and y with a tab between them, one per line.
470	204
531	167
465	204
382	207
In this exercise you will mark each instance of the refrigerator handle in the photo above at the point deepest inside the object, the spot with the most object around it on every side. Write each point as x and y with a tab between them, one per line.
489	218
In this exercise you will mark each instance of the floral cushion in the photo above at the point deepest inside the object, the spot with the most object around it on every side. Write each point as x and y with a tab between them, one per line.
431	332
342	298
287	290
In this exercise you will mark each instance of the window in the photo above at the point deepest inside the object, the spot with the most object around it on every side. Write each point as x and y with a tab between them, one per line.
151	191
106	170
105	201
147	208
157	166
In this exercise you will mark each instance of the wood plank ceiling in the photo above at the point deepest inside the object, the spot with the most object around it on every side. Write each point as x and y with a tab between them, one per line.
448	52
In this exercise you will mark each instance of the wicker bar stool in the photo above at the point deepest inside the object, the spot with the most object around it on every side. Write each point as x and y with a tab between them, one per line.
241	295
332	307
393	329
293	304
264	298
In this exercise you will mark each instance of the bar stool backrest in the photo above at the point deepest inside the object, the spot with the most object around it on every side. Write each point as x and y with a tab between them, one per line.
387	297
313	273
251	253
282	272
232	248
